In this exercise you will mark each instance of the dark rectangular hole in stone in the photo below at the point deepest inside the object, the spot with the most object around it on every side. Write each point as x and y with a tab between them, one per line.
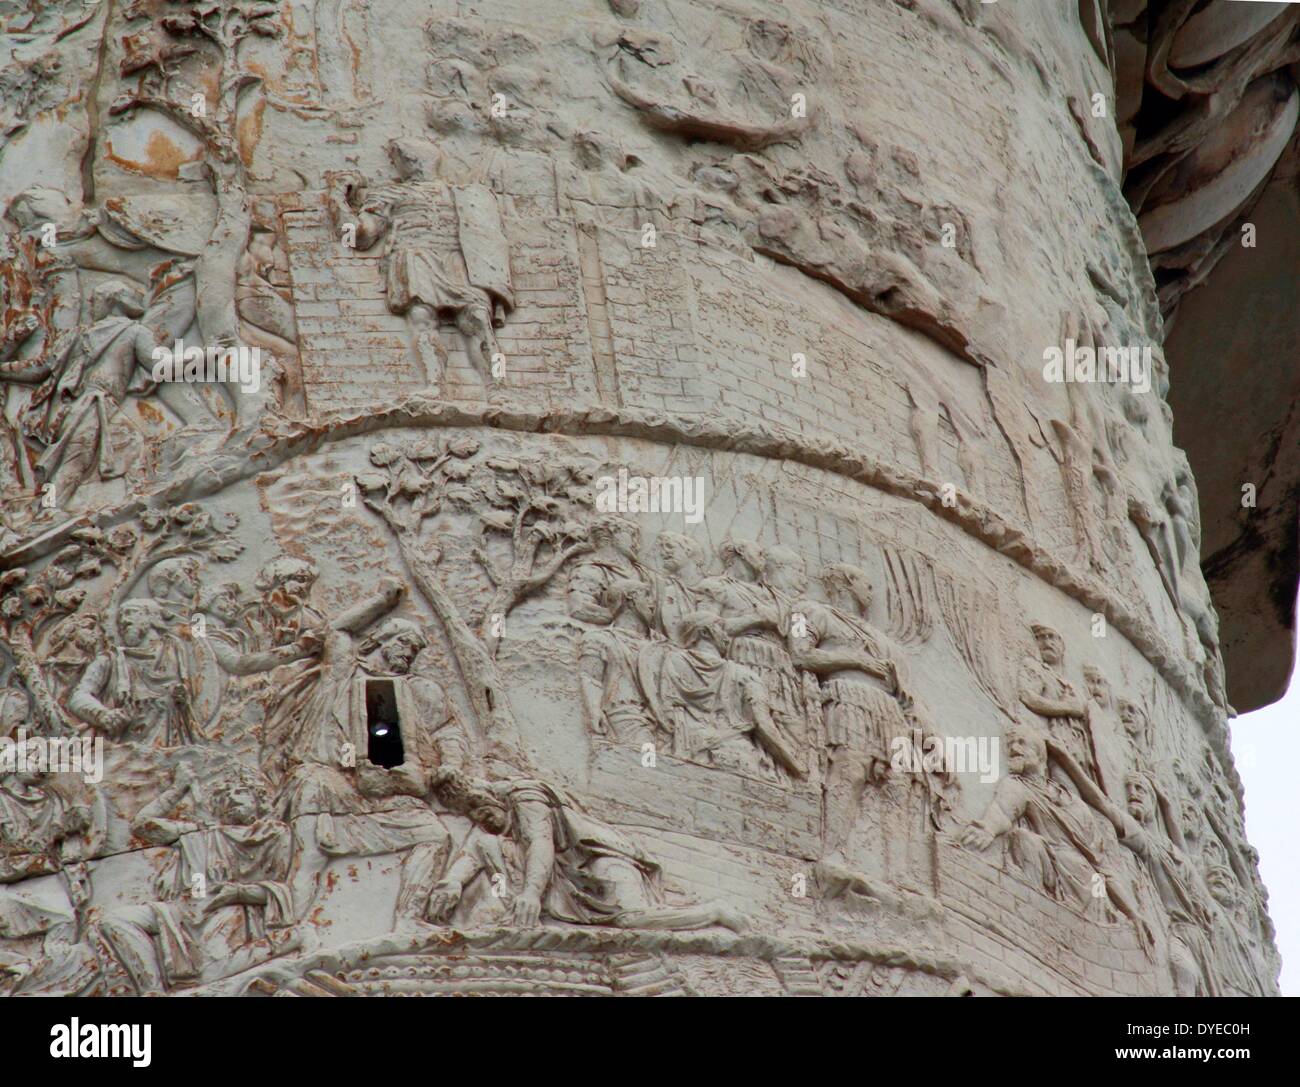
383	725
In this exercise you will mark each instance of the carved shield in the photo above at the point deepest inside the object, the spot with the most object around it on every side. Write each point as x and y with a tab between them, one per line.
483	241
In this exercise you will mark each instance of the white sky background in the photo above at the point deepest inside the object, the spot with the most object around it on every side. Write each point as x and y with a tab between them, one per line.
1266	748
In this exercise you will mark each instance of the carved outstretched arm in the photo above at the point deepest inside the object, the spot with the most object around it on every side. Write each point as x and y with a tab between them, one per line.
372	608
548	570
1052	707
462	869
247	664
1008	805
1172	823
763	619
464	866
152	823
825	661
1048	707
589	611
1125	826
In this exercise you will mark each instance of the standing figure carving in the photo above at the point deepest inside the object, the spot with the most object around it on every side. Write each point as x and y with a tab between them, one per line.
431	275
864	705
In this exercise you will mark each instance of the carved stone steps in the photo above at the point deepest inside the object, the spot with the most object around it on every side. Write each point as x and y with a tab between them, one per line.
797	975
643	975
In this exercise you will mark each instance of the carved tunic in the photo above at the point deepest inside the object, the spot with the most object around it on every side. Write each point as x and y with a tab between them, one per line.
422	268
762	650
696	694
1071	732
861	715
259	854
154	686
34	819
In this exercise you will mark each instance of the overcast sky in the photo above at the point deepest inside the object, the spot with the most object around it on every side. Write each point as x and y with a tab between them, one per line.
1266	747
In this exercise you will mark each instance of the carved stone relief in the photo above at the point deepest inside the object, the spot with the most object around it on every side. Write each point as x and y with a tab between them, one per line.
643	547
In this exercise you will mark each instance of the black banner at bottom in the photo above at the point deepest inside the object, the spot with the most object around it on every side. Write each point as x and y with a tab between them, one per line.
683	1036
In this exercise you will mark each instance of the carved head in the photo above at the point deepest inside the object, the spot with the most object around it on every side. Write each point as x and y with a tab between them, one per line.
677	551
138	619
471	797
415	159
785	570
399	642
1097	684
742	559
286	582
1140	793
610	530
1213	851
1051	649
1222	882
1133	718
1026	751
175	580
1191	819
226	603
238	796
848	587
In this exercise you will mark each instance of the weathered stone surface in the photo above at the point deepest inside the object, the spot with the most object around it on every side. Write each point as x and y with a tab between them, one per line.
662	542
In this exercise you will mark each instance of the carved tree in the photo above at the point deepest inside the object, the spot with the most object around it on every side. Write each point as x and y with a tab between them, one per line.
526	518
28	309
210	34
187	529
32	602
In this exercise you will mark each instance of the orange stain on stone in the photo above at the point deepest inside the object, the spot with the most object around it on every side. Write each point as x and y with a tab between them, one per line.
163	158
250	132
149	412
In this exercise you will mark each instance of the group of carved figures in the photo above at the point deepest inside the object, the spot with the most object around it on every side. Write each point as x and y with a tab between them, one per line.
744	670
747	670
1067	802
248	840
89	297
